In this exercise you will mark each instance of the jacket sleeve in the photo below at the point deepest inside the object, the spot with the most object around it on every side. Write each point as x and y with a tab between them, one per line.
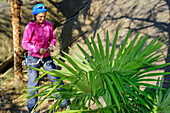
26	41
52	36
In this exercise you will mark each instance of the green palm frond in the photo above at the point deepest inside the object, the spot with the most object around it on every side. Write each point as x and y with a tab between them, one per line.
116	75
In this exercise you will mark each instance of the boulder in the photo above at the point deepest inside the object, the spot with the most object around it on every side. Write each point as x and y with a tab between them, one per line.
76	20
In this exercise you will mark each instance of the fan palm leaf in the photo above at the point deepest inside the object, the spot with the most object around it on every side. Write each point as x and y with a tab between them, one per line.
115	76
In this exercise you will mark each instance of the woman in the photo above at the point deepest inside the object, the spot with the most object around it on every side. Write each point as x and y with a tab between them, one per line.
37	38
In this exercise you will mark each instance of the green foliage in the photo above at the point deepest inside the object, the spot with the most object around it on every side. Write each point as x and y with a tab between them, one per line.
161	102
1	0
115	76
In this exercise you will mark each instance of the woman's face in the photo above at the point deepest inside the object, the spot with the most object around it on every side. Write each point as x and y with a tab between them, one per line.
40	17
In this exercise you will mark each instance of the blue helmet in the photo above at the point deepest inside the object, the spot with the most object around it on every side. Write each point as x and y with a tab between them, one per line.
39	8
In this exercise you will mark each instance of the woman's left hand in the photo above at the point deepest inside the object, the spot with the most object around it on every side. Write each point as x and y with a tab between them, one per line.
43	51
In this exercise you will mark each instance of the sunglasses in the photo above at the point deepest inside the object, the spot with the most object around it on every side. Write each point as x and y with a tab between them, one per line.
42	7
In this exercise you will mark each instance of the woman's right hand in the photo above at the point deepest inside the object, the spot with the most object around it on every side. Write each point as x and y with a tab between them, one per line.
43	51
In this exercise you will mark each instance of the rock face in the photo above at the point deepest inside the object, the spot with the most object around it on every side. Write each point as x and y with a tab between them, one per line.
76	20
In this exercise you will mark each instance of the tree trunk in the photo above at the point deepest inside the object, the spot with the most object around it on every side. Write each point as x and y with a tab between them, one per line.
16	18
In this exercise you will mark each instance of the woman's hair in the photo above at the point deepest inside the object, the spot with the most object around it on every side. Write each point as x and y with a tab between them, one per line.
33	20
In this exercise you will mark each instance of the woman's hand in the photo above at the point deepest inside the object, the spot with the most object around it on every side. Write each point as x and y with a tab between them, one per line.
43	51
52	47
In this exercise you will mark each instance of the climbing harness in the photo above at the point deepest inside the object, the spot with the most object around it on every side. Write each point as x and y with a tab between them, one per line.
41	60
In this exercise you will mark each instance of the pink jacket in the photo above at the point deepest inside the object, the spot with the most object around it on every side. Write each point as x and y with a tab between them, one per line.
36	37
